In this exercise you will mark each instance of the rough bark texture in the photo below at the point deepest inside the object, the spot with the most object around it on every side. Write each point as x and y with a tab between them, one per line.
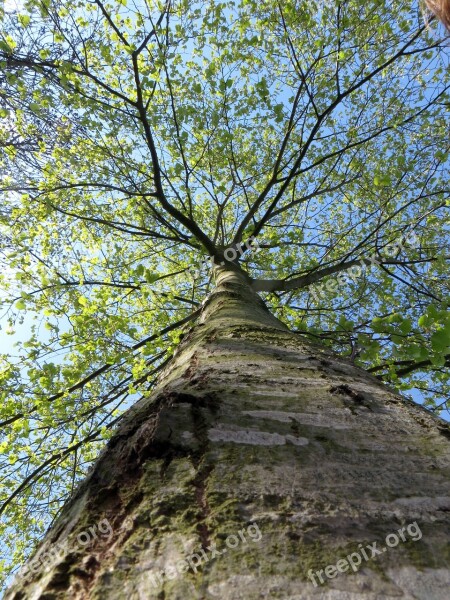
253	424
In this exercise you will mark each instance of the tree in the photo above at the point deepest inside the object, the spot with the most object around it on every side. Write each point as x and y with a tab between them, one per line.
297	154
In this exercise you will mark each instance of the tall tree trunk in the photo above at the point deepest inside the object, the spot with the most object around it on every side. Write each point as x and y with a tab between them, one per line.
266	459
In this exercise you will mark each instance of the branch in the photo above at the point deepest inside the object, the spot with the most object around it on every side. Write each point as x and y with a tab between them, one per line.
285	285
410	366
104	368
321	118
55	457
168	207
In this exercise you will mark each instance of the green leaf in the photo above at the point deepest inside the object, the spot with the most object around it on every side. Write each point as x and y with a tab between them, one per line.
151	277
406	326
424	321
24	20
440	340
4	46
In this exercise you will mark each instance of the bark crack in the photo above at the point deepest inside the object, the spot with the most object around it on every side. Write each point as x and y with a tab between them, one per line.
356	397
204	470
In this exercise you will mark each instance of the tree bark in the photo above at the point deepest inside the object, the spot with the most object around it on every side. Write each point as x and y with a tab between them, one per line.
257	435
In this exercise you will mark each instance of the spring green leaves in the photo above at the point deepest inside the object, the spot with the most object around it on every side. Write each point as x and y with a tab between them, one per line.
321	128
147	274
437	322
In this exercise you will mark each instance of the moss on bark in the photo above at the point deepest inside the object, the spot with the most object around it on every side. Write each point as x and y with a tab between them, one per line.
252	424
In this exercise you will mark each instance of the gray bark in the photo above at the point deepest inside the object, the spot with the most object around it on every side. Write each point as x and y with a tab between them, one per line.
254	429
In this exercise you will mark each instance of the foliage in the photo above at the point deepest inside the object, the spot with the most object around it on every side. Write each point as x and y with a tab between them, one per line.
137	138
